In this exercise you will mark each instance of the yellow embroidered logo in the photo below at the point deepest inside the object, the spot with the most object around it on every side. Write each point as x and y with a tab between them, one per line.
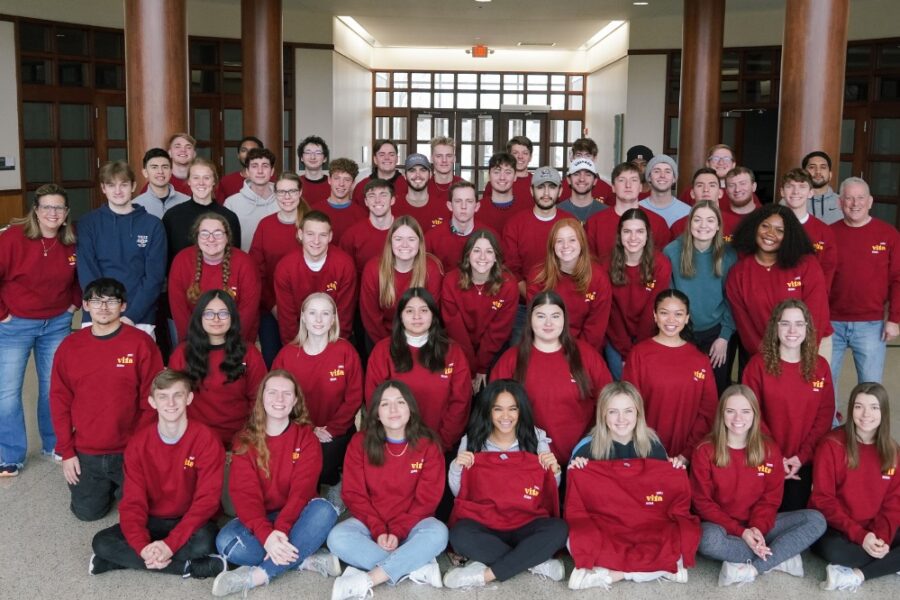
437	221
700	375
652	499
295	455
818	246
72	260
128	359
794	284
331	286
189	462
889	473
818	384
448	371
532	492
590	296
339	372
727	238
876	248
764	469
498	304
415	467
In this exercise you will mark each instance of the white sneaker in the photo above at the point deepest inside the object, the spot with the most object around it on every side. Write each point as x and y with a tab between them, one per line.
232	582
550	569
429	573
333	495
839	577
353	584
469	576
582	579
736	573
792	566
322	562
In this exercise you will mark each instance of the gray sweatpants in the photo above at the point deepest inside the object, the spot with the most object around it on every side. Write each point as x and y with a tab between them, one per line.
793	533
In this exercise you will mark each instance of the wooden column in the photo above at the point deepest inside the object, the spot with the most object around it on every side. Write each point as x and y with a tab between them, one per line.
813	61
156	74
261	41
701	63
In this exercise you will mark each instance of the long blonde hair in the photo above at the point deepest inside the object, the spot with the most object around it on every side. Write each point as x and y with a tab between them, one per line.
687	242
253	435
32	227
601	439
551	271
387	295
756	442
334	332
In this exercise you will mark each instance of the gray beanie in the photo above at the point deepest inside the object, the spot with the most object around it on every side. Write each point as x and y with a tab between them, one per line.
662	158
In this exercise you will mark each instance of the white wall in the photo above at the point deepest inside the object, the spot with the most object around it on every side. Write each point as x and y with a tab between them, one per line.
352	106
645	111
9	108
456	59
313	94
606	97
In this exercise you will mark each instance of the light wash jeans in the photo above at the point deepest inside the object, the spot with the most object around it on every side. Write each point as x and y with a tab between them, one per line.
863	338
352	542
18	338
240	547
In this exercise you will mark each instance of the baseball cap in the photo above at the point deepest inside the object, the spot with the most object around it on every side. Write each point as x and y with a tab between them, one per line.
545	175
417	160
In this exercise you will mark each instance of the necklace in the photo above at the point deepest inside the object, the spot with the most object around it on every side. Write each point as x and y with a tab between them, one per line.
478	288
46	249
405	446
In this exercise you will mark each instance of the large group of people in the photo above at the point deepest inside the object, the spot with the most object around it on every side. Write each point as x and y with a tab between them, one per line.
372	374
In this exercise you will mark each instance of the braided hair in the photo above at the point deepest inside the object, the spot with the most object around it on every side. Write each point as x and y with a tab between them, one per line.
194	291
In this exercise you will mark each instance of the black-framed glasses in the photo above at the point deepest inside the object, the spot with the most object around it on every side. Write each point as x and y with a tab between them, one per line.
216	235
49	208
107	302
287	193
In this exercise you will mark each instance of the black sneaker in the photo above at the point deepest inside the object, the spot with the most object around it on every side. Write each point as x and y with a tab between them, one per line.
9	470
208	566
99	565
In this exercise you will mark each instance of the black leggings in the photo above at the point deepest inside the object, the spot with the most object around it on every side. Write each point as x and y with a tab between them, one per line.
508	553
797	492
836	549
110	545
333	457
704	341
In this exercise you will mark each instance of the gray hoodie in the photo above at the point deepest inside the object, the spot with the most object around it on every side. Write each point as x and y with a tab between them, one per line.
250	209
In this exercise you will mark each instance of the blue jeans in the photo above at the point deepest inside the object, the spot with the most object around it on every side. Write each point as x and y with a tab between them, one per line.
863	338
613	361
240	547
18	338
352	542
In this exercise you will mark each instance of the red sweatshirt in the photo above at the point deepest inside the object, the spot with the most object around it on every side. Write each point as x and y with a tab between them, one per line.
796	412
868	272
631	314
398	180
631	515
223	407
496	215
679	392
378	320
479	322
602	229
525	241
602	191
295	461
243	282
342	218
332	383
444	397
32	285
295	281
229	185
527	491
272	241
559	408
823	240
363	243
737	497
754	291
448	246
441	191
170	481
588	310
393	497
855	501
99	390
315	190
433	214
730	221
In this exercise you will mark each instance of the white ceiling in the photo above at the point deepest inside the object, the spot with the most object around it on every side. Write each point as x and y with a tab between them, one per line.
499	23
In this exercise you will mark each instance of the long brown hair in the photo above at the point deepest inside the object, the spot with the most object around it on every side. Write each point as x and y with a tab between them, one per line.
387	296
551	270
617	259
569	346
495	277
194	291
770	347
253	435
687	242
601	440
32	227
756	450
375	437
887	447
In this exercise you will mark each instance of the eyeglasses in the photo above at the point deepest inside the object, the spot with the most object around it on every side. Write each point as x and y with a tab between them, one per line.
108	302
221	315
313	153
47	208
287	193
216	235
797	324
721	160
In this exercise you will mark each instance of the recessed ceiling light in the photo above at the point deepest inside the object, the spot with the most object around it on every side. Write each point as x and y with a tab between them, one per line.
482	0
641	3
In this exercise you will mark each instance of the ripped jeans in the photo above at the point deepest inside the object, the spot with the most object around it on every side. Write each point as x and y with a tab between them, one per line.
240	547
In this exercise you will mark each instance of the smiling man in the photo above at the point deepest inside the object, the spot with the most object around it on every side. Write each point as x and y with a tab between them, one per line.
417	202
824	203
232	183
256	200
443	160
661	173
384	167
161	195
182	151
